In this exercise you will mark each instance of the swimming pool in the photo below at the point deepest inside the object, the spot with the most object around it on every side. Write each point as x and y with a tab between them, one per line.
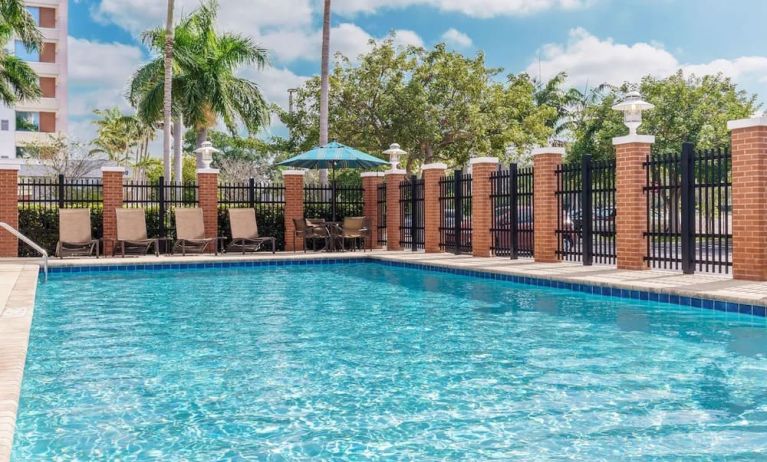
363	361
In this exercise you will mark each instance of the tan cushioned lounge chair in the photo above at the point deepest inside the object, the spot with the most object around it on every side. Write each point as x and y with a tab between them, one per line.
131	232
190	232
244	228
75	238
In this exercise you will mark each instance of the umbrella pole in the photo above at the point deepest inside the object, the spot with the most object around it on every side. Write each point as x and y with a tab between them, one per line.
333	191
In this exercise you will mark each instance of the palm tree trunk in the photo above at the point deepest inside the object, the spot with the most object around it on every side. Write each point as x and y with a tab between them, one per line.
178	130
167	94
324	84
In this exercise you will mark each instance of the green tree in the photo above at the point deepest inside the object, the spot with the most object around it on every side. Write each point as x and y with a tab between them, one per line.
123	138
18	81
205	85
687	108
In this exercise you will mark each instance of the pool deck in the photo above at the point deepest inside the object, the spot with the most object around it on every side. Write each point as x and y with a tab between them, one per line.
18	281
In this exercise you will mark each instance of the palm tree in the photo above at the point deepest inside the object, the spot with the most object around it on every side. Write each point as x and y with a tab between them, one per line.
17	79
205	85
325	84
123	138
167	89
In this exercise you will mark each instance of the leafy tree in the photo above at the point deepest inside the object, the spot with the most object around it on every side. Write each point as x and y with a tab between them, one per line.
123	138
240	158
687	108
62	156
205	85
18	81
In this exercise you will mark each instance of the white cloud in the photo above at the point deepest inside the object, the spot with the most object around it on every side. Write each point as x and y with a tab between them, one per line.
474	8
590	60
456	38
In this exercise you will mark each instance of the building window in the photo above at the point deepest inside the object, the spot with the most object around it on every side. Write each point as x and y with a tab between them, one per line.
27	121
22	52
5	125
34	11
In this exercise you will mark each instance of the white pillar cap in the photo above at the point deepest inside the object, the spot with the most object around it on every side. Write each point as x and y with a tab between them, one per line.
395	172
435	166
371	174
293	172
632	139
747	123
209	171
122	170
484	160
548	150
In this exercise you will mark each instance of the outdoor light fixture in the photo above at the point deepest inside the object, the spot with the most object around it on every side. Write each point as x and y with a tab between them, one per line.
394	152
205	154
632	107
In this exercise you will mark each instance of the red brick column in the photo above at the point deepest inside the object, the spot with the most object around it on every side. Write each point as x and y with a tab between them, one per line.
630	201
393	179
207	198
431	206
9	208
749	198
481	206
370	182
112	181
294	206
545	163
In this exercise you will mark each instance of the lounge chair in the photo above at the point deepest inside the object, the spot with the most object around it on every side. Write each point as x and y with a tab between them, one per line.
190	232
244	228
354	229
131	232
75	238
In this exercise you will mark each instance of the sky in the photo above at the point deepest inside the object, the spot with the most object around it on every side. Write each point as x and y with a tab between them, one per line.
594	41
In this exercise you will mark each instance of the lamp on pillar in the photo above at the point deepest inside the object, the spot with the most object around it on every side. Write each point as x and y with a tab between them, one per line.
632	107
394	152
205	154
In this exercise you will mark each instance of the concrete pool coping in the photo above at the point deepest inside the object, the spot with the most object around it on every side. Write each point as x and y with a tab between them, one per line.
19	279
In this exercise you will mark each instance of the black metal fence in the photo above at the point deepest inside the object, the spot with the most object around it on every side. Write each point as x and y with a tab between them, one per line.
158	200
335	201
455	212
689	210
586	211
381	214
511	197
268	199
40	199
412	228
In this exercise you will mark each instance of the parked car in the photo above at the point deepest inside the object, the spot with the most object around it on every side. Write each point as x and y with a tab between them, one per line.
504	218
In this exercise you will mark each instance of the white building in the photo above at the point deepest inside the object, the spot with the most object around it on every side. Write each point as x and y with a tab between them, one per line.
37	120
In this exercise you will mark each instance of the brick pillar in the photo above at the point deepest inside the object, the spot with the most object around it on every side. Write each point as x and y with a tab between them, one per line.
631	151
431	206
207	198
294	206
370	182
481	206
9	208
749	194
545	163
393	179
112	181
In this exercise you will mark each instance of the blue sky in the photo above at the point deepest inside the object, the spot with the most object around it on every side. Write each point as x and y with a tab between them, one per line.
593	40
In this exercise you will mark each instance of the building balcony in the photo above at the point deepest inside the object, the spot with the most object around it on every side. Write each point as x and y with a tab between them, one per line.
23	138
47	69
40	105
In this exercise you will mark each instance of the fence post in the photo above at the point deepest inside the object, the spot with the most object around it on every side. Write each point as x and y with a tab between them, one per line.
481	204
9	208
688	209
370	182
413	213
294	206
431	207
207	198
61	191
393	179
545	210
252	193
112	196
749	194
631	151
587	222
458	212
514	212
163	213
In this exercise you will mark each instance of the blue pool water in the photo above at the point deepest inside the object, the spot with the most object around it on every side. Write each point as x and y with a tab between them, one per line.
370	362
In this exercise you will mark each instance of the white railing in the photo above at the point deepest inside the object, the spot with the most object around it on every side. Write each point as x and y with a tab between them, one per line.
30	243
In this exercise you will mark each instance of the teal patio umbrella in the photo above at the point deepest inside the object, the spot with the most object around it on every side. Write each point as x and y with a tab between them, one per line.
333	155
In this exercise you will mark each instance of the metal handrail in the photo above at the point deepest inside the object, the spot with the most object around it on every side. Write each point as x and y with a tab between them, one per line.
30	243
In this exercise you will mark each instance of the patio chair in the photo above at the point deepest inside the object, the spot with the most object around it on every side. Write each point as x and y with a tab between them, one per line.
244	228
307	231
354	229
190	232
75	238
131	232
